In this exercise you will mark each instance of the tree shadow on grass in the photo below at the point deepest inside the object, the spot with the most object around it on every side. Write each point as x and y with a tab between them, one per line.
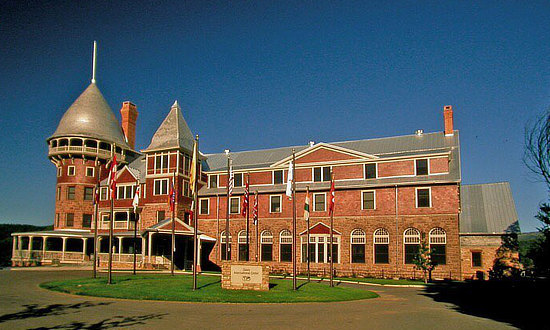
114	322
33	310
208	284
515	303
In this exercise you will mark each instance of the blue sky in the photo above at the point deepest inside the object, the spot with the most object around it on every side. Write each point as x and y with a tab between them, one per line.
261	74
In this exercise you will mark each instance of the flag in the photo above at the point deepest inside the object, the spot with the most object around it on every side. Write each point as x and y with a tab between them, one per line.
112	176
255	209
193	172
246	197
135	202
306	207
191	219
231	179
290	178
172	196
96	195
331	196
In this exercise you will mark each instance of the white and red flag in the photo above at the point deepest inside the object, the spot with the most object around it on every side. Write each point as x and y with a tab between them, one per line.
331	196
172	196
255	209
246	198
135	202
112	176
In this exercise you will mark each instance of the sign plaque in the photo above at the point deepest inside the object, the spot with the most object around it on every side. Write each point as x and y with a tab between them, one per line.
245	276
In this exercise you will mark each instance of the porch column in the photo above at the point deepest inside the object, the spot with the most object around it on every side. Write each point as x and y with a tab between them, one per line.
19	243
150	245
44	238
30	245
199	252
84	243
98	249
119	246
142	249
64	247
14	249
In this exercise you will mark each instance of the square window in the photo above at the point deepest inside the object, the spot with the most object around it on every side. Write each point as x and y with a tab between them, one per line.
368	200
86	220
161	215
90	171
370	171
234	206
275	204
88	193
278	177
423	197
204	206
421	167
381	254
71	170
71	192
213	181
161	187
70	220
319	202
476	259
238	180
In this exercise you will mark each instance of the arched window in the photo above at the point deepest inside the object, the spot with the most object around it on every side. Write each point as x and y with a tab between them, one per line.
381	240
243	246
438	243
285	245
53	144
411	239
63	142
266	240
358	240
223	244
76	142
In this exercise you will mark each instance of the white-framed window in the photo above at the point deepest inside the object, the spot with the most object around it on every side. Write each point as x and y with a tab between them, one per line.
90	171
422	166
162	162
285	246
161	215
238	179
371	171
438	244
104	195
381	241
243	247
423	197
125	191
411	240
160	187
186	191
368	200
358	239
275	204
59	171
278	177
319	248
204	206
213	181
266	249
223	244
319	202
235	205
58	193
88	193
321	173
71	170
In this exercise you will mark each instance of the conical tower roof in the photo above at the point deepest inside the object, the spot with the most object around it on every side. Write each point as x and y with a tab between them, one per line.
173	132
90	116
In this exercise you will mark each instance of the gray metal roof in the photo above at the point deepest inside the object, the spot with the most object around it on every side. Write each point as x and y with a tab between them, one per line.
488	208
173	132
91	116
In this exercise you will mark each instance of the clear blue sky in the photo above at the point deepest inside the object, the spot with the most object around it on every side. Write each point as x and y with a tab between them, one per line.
261	74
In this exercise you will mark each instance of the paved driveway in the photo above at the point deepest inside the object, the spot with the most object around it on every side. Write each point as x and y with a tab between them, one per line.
24	305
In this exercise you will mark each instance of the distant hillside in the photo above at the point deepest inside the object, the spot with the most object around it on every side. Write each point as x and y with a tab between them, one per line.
526	242
6	240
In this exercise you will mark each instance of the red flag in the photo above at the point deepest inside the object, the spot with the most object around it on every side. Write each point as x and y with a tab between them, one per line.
246	198
331	196
255	209
112	176
172	196
96	195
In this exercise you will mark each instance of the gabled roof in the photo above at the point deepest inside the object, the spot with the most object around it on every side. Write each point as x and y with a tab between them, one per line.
326	146
91	116
172	133
488	208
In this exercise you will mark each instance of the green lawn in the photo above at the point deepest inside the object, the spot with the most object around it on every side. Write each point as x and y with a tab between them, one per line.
179	288
382	281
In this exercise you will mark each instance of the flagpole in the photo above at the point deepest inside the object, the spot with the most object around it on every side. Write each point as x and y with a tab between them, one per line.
195	218
331	233
247	216
112	219
136	218
173	207
293	220
227	244
307	244
257	220
96	213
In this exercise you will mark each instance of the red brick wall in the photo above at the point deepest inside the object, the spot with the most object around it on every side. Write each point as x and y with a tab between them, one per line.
323	155
348	172
487	245
397	168
439	165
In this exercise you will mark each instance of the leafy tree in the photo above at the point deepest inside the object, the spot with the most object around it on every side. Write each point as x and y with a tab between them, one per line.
506	264
423	260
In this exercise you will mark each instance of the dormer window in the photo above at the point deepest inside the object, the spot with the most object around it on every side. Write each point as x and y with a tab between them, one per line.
421	167
278	177
370	171
238	179
213	181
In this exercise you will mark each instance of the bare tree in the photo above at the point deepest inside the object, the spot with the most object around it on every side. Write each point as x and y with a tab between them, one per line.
537	147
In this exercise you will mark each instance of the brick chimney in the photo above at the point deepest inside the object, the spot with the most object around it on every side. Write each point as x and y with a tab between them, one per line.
129	116
448	117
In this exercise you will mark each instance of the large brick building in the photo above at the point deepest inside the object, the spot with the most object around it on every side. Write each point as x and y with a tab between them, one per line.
391	194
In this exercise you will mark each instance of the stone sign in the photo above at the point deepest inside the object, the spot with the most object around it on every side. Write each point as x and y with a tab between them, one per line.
245	276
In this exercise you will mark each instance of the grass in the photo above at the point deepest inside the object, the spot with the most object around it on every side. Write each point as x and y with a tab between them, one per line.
179	288
382	281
